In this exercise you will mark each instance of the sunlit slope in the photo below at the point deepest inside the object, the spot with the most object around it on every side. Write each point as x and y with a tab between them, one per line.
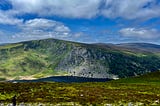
49	57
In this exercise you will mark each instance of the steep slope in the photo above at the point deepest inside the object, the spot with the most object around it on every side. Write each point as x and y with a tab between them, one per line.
41	58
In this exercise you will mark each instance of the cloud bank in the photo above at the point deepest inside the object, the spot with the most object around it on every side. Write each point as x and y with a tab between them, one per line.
127	9
7	17
43	26
40	29
140	33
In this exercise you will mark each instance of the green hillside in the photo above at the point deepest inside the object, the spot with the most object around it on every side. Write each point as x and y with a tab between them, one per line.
41	58
149	78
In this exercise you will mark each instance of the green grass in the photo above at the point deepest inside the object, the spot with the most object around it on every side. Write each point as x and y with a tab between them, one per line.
149	78
10	46
131	90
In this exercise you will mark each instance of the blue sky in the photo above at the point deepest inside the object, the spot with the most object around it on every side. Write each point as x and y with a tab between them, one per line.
89	21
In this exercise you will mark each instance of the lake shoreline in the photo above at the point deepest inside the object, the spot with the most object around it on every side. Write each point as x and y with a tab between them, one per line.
65	79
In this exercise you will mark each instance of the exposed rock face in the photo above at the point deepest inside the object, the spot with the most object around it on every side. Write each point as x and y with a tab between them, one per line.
75	59
85	63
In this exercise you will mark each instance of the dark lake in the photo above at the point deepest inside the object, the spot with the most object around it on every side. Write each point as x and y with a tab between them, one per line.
66	79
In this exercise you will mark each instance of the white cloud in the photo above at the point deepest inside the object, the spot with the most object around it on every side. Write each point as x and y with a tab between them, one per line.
131	9
40	29
66	8
140	33
44	24
6	17
128	9
44	28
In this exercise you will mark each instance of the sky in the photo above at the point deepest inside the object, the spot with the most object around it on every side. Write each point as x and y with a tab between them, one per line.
88	21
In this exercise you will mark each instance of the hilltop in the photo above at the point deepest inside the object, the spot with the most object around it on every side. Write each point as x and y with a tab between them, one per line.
52	57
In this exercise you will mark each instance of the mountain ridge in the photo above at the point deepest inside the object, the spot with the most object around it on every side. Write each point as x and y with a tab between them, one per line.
134	47
48	57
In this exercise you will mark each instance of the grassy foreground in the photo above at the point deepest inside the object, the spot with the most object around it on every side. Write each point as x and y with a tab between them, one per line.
83	93
137	91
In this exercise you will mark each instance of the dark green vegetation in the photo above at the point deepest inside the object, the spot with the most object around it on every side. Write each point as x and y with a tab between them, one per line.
149	78
145	90
41	58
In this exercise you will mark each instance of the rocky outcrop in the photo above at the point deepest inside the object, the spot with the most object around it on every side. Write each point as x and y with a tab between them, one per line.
52	56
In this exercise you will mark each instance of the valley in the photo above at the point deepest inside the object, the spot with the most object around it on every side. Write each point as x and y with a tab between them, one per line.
79	52
54	72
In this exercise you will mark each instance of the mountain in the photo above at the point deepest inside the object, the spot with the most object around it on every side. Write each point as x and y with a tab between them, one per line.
51	57
146	47
2	44
133	47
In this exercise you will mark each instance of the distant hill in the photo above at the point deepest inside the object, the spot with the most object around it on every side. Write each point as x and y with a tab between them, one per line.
146	47
2	44
133	47
50	57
